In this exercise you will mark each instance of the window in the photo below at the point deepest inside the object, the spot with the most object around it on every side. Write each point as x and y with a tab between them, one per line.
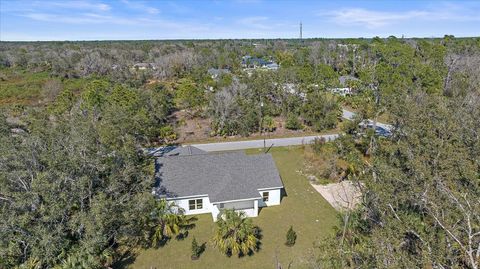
199	203
191	204
265	196
221	205
195	204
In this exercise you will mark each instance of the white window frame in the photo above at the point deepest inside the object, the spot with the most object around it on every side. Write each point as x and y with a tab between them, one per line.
265	198
197	204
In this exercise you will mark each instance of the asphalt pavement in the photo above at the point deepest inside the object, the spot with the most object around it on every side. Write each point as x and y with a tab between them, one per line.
260	143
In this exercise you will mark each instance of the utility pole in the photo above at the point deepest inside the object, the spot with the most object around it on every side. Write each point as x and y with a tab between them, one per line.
301	34
261	125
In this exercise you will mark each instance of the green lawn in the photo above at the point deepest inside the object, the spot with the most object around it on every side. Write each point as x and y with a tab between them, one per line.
311	216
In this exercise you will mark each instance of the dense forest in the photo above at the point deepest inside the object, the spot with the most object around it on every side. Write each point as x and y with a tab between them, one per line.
75	178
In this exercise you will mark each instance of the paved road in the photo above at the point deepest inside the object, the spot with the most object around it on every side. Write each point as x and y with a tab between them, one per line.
251	144
349	115
274	142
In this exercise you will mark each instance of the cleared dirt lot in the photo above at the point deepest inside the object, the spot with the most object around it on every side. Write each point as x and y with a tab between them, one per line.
342	196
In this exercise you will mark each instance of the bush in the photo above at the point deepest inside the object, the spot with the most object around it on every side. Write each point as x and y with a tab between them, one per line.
269	124
196	249
291	237
293	123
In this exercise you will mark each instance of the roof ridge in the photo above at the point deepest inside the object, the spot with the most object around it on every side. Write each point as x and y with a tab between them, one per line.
207	153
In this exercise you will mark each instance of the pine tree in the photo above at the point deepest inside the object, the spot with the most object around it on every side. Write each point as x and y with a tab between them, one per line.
291	237
195	249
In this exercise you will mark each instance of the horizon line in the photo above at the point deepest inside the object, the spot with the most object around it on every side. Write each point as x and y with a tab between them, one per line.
246	38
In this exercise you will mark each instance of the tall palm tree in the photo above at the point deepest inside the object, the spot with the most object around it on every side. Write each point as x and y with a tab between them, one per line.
167	220
236	234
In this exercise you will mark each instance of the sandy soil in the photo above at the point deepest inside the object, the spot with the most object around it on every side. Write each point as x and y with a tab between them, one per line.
342	196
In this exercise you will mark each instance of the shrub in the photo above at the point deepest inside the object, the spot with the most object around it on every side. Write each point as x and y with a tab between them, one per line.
269	124
293	123
291	237
196	249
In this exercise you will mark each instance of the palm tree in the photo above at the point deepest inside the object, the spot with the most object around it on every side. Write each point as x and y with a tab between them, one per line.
236	234
167	220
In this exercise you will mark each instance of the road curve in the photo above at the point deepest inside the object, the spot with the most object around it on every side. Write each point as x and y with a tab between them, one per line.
252	144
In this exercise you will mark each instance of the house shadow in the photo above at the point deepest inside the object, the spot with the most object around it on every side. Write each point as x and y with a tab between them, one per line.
283	193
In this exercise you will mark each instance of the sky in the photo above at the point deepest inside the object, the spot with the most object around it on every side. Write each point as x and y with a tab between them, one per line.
31	20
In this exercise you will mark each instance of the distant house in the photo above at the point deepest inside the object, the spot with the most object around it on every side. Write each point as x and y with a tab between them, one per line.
144	66
271	66
249	62
216	73
345	83
341	91
201	182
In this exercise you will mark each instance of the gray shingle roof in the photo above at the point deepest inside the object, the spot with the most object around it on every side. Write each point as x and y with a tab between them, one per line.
221	176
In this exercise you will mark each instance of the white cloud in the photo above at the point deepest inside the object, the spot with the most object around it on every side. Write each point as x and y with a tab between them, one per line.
375	19
370	18
141	6
85	18
75	5
258	22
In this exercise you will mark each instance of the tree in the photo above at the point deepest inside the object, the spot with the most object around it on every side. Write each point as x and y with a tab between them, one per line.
63	189
236	234
167	220
321	111
188	95
421	190
291	237
292	122
196	249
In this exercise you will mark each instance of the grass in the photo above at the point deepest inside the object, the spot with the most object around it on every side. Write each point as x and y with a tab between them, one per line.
311	216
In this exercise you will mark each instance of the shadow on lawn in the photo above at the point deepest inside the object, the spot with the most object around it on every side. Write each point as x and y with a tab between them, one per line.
129	256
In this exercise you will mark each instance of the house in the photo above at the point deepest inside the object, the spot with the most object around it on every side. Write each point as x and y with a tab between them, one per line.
271	65
201	182
341	91
345	83
249	62
216	73
144	66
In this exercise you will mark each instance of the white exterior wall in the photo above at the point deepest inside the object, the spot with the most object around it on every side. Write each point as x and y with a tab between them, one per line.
183	203
250	207
238	205
274	196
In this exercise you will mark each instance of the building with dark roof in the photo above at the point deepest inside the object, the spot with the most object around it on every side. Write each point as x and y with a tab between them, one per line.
249	62
201	182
